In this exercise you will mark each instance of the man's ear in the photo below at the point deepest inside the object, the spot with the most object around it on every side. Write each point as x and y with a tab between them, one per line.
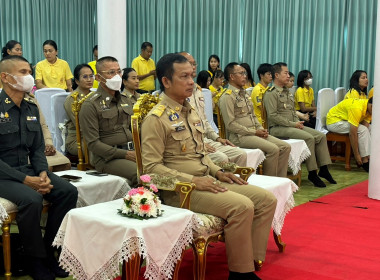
166	82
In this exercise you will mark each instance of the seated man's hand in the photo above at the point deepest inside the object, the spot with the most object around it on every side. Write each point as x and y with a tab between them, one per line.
299	125
225	142
50	150
263	133
208	184
210	149
41	184
229	177
131	155
303	116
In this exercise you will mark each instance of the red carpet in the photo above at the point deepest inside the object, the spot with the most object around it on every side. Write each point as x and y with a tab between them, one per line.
334	237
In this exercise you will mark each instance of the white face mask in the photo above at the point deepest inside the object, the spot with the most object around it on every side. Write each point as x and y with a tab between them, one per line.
308	82
114	83
24	83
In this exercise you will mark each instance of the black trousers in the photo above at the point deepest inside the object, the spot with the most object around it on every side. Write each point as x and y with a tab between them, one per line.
63	197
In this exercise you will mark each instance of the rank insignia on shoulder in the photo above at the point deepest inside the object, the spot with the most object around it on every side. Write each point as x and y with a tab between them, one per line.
159	110
271	88
228	91
173	117
28	99
198	87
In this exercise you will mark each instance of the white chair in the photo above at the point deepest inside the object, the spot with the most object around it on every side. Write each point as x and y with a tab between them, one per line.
249	90
43	97
326	100
208	108
293	89
93	89
156	93
59	117
340	92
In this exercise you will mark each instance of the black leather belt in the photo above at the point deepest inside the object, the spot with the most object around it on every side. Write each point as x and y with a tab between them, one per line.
129	146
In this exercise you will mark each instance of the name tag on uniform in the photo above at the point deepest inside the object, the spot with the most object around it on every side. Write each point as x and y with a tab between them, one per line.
124	105
31	118
180	128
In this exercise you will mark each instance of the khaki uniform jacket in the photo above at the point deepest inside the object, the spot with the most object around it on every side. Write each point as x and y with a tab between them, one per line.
237	110
172	142
105	122
280	107
71	139
133	97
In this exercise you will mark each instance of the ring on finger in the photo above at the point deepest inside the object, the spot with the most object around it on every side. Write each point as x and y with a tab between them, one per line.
214	182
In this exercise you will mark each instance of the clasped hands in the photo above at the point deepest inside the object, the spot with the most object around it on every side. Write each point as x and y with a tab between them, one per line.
210	184
39	183
263	133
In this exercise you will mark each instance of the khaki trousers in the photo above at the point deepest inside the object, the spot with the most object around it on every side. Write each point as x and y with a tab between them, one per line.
315	141
249	212
276	152
227	153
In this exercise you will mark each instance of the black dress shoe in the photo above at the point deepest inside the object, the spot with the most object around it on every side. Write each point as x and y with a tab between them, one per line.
327	176
243	276
317	182
365	166
38	270
56	269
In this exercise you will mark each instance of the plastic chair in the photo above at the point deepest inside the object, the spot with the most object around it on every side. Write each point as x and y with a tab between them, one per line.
156	93
249	90
326	100
208	108
43	97
340	92
59	117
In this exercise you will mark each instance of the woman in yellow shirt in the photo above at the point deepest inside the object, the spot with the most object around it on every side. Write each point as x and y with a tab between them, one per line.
358	85
213	64
304	97
53	72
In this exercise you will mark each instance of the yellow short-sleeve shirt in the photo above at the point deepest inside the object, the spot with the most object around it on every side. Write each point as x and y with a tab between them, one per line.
217	93
351	110
143	67
53	75
257	98
370	93
93	67
353	93
304	95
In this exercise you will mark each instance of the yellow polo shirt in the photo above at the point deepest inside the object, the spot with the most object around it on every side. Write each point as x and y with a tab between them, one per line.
217	93
143	67
257	98
93	67
351	110
370	93
303	95
353	93
53	75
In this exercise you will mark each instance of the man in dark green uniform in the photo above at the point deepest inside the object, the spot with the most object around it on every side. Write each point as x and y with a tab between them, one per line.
283	122
105	120
25	184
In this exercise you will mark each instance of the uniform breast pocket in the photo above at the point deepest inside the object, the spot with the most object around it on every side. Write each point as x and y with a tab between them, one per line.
108	119
181	141
34	128
128	109
9	135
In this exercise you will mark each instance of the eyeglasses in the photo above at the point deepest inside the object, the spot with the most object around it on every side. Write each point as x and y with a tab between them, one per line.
243	73
113	72
88	77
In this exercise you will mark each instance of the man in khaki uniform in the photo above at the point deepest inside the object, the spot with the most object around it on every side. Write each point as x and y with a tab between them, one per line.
105	119
283	122
219	149
172	145
244	129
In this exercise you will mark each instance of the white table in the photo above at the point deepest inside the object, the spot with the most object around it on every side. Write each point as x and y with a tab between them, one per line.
94	189
96	239
283	189
255	157
298	154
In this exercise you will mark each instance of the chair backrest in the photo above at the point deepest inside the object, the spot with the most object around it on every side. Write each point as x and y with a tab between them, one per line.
140	110
293	89
221	126
59	117
326	100
83	154
156	93
249	91
264	116
43	97
340	92
208	108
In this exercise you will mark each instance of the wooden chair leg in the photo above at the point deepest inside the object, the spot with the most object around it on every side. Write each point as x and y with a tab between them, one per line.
199	251
6	228
281	245
131	268
347	155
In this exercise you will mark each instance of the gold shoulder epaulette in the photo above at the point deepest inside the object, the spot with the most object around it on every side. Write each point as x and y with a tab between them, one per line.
228	91
199	88
29	100
94	96
271	88
159	110
31	95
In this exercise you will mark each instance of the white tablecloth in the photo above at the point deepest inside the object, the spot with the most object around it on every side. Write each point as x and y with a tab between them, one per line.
283	189
254	157
94	189
96	239
298	154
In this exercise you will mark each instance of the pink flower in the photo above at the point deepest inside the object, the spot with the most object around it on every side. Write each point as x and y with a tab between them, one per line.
141	190
145	178
145	207
133	192
153	188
